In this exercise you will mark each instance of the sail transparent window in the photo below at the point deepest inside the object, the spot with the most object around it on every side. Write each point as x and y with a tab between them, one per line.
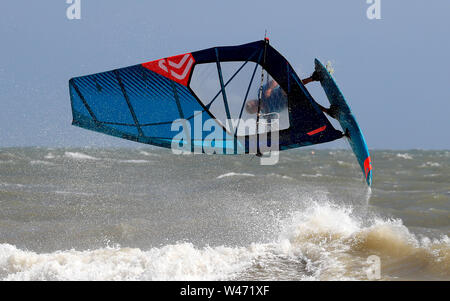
236	106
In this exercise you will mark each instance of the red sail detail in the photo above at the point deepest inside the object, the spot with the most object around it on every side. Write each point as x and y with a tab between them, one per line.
367	166
321	129
177	68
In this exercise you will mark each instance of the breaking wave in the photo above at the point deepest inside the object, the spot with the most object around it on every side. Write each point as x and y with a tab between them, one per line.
323	242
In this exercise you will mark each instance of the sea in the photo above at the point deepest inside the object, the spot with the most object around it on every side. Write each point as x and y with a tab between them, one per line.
147	214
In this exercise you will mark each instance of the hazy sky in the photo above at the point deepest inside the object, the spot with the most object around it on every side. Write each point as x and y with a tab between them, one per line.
394	72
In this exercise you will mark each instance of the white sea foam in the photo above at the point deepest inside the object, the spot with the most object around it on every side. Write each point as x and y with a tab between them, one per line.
346	164
432	175
323	242
11	185
6	161
79	156
74	193
335	243
405	156
317	175
135	161
234	174
145	153
49	156
171	262
280	176
41	162
430	164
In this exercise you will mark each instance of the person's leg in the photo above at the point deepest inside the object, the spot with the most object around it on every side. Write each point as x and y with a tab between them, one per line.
332	111
307	80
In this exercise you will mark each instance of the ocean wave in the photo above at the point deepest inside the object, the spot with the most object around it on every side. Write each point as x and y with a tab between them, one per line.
145	153
7	162
405	156
234	174
432	175
49	156
11	184
317	175
79	156
430	164
74	193
41	162
338	243
323	242
280	176
135	161
346	164
171	262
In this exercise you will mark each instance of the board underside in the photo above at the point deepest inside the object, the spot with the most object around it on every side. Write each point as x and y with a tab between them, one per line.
347	121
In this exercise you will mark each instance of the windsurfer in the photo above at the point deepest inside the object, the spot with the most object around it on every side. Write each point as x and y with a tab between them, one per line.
274	99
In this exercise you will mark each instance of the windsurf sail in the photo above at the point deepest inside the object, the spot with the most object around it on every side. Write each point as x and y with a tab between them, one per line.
202	101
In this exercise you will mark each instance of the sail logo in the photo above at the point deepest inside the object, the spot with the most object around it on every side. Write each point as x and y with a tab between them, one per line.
177	68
